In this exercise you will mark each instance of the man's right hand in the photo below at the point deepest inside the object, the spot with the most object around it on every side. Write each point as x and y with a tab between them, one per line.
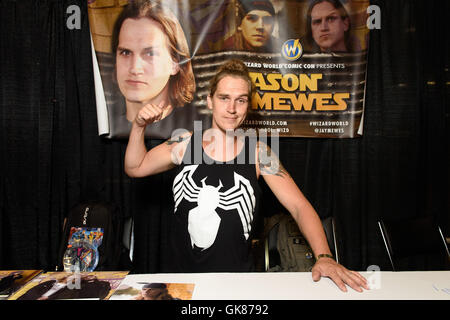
150	113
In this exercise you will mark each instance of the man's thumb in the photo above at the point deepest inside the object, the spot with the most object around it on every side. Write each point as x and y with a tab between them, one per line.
315	275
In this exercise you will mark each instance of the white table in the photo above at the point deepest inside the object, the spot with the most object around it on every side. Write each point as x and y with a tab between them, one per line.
430	285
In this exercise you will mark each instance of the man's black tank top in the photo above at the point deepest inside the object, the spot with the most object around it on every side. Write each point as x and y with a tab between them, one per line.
216	204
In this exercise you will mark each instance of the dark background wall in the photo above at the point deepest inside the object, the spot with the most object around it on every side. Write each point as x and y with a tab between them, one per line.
52	158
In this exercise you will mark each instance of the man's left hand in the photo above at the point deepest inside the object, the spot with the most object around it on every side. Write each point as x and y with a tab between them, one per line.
341	276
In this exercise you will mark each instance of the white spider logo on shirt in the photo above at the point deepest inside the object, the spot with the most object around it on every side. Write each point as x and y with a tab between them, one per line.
203	220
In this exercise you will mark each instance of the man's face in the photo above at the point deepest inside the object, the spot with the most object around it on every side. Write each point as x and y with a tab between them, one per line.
328	27
143	61
229	103
151	293
256	27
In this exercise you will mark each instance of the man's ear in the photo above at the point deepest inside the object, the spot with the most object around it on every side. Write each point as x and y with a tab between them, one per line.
240	26
175	68
346	23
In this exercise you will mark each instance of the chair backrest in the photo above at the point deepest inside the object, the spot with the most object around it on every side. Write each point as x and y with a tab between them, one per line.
272	256
415	244
128	236
329	226
100	222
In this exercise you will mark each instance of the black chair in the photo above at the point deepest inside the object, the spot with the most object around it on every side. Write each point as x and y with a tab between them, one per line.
128	236
271	254
329	226
117	246
415	244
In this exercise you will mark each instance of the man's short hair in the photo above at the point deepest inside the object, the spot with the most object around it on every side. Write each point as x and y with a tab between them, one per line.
154	285
234	68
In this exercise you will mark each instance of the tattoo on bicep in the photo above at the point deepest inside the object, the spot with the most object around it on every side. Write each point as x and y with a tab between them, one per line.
268	162
177	140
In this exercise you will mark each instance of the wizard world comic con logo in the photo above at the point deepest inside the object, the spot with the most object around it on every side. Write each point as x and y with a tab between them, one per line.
292	49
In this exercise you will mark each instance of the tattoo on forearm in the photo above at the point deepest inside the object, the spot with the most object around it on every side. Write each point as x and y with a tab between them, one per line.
269	164
176	140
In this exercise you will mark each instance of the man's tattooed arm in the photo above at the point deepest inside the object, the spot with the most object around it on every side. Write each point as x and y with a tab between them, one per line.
177	139
268	162
177	145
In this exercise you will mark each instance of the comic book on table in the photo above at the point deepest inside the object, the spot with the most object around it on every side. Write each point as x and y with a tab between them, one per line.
71	286
143	287
104	285
13	280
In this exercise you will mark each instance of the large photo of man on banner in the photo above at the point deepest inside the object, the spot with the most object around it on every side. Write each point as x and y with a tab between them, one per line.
151	65
307	58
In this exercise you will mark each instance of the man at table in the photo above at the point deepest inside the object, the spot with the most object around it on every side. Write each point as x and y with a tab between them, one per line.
216	190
